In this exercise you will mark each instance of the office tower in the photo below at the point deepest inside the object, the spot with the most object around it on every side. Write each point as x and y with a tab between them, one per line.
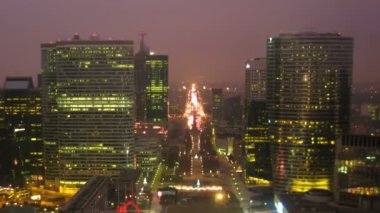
217	101
308	103
255	79
357	174
156	90
232	110
257	146
140	79
88	106
21	122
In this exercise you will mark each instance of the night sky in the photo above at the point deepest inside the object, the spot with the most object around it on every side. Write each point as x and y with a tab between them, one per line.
206	40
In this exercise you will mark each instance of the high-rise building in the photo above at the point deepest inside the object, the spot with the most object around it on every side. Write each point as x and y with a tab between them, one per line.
308	102
152	85
256	139
255	79
217	102
156	90
21	119
140	79
88	106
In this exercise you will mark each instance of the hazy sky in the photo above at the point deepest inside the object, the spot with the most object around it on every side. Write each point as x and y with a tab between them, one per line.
207	40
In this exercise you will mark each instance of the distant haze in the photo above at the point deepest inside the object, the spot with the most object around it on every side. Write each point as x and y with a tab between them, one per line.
206	40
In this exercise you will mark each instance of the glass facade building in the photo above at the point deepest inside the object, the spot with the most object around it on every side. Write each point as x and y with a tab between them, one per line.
156	99
21	120
88	106
308	102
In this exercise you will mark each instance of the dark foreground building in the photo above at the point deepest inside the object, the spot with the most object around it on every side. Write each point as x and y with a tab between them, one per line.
256	138
21	131
257	146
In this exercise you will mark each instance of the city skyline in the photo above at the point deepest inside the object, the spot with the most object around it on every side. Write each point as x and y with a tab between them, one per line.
189	106
201	35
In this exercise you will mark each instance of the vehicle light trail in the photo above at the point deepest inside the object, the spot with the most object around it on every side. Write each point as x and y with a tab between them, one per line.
194	108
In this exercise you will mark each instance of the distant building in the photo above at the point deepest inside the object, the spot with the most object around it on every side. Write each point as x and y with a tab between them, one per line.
357	173
88	106
217	102
308	103
255	79
373	107
152	85
156	90
232	110
21	120
147	151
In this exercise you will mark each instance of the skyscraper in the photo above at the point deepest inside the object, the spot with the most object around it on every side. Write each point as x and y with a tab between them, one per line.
217	102
21	120
156	90
88	106
308	91
257	146
140	79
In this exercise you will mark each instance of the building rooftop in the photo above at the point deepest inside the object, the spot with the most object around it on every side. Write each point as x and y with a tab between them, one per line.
18	83
86	194
93	39
129	175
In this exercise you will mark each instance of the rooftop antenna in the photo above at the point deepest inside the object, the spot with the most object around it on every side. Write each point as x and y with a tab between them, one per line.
142	44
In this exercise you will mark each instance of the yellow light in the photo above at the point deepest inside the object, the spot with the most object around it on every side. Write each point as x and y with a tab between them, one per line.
219	196
303	185
35	197
259	181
